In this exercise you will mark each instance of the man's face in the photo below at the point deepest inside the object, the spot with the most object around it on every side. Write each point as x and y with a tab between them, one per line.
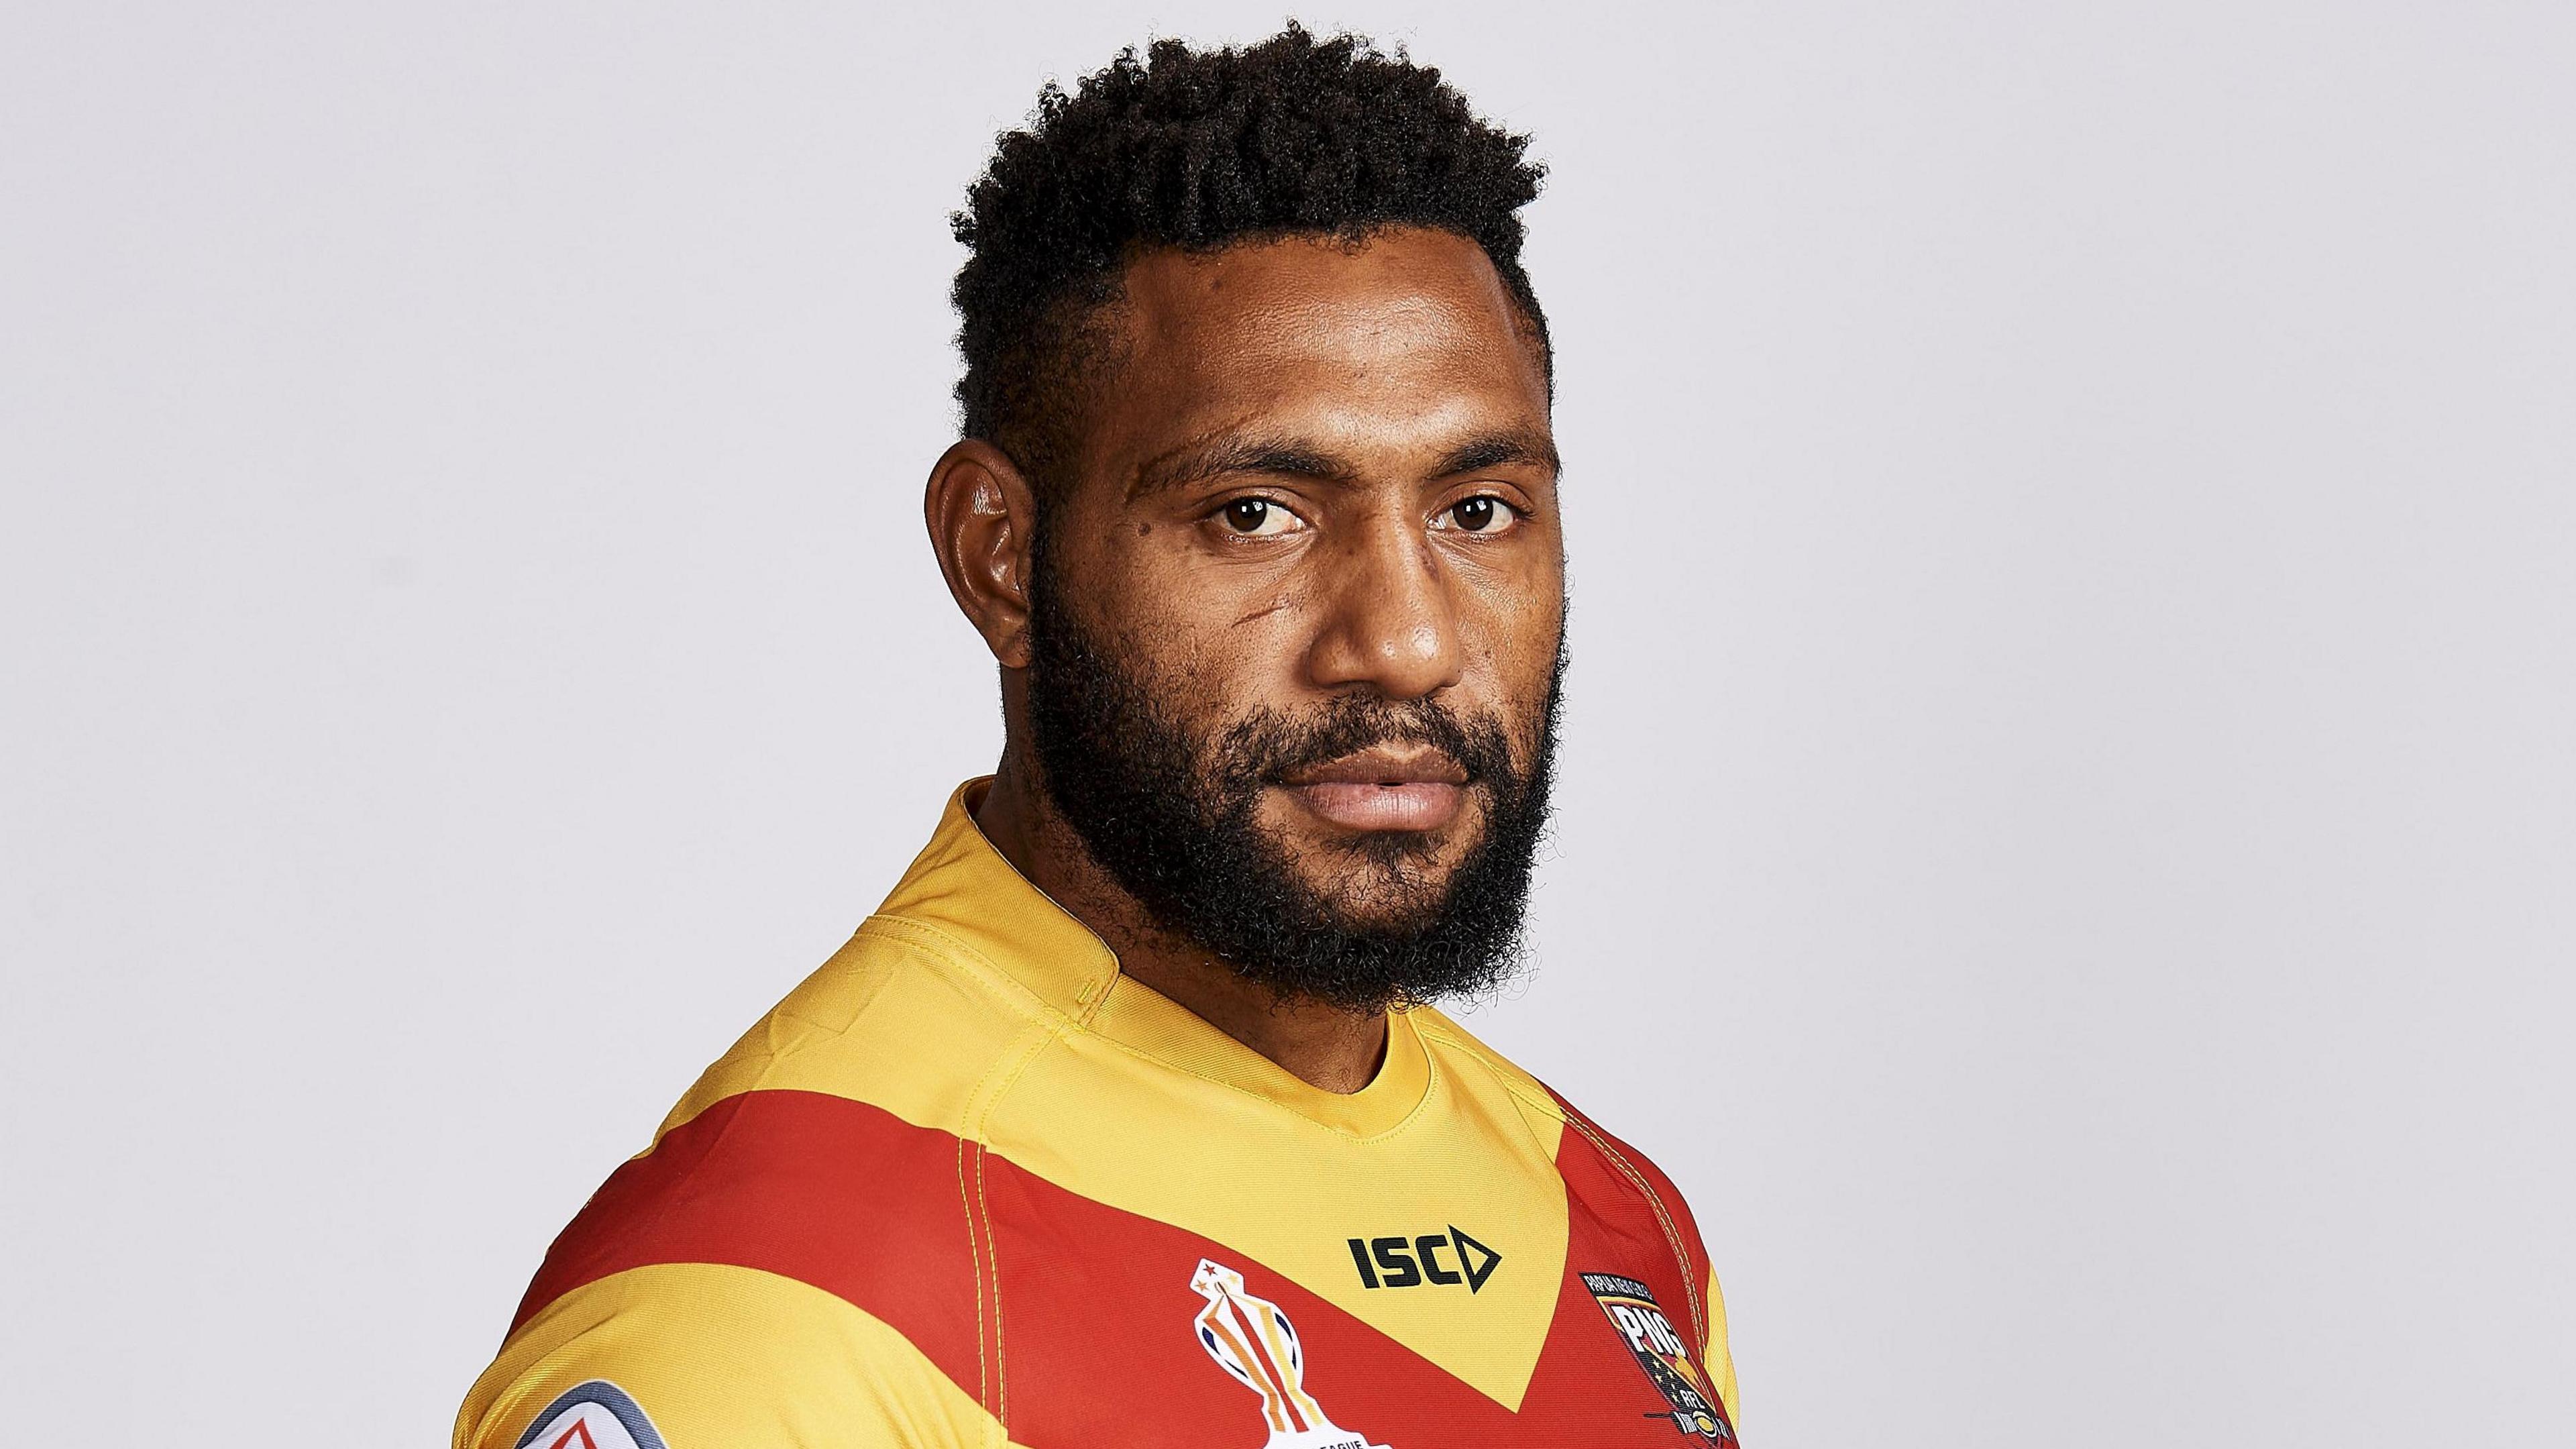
1298	613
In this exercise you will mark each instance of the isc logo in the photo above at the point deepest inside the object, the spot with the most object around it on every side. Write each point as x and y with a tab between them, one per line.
1404	1262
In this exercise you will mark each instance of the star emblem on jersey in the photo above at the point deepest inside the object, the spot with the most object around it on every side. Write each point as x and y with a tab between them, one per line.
595	1415
1696	1409
1250	1338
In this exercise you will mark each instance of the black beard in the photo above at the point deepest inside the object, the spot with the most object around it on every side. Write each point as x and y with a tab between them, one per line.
1171	815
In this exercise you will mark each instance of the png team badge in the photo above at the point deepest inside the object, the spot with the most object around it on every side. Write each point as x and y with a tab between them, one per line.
1696	1409
595	1415
1251	1339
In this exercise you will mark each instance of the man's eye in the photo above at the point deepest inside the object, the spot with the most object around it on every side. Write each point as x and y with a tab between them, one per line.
1257	517
1480	514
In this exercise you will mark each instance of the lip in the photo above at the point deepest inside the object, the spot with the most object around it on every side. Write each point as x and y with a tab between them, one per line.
1384	787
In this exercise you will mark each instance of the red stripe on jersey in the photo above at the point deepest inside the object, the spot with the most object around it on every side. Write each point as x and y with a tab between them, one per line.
1625	1190
834	1193
1083	1327
1076	1294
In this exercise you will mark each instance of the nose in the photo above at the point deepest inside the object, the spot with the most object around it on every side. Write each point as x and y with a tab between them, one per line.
1393	621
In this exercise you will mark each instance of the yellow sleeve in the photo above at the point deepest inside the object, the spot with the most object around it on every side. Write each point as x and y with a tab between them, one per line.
1717	1355
707	1356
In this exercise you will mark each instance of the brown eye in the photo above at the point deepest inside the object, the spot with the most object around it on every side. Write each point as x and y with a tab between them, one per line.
1481	514
1257	517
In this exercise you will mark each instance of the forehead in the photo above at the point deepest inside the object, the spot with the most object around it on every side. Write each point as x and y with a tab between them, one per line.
1405	339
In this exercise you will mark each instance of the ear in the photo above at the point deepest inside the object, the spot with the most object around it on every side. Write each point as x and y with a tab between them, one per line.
983	522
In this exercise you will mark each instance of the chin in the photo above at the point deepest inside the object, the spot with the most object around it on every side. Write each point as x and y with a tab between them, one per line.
1385	882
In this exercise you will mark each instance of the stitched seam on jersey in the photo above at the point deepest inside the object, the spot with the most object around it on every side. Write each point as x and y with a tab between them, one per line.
966	1206
1001	1377
1431	1080
1504	1077
772	1060
980	1108
1672	1234
989	977
1039	1006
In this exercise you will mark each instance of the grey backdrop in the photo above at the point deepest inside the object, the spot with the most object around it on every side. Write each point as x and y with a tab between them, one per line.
2069	764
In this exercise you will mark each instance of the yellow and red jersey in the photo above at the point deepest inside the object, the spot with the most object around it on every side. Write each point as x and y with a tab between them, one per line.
967	1185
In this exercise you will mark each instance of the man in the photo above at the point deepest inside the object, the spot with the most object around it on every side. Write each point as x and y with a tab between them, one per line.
1125	1120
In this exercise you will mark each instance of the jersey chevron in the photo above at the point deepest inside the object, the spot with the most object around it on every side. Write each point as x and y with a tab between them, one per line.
967	1185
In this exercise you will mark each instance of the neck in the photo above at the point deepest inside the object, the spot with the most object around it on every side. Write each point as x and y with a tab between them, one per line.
1323	1045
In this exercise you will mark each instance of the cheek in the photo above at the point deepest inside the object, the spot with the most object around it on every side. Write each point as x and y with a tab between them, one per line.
1231	628
1215	642
1521	655
1520	630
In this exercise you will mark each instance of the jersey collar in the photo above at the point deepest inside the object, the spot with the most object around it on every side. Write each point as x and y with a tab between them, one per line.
963	888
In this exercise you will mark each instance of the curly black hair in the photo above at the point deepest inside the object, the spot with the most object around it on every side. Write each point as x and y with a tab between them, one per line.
1198	149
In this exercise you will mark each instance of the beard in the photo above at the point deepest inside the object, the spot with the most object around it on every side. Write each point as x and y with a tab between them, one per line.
1169	807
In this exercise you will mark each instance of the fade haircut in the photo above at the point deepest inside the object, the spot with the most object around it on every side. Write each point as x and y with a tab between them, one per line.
1201	149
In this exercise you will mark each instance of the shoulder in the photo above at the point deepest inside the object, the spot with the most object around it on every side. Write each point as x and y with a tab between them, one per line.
682	1354
903	1017
822	1162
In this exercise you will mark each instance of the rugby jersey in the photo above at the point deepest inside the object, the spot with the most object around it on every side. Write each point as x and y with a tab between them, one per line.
968	1185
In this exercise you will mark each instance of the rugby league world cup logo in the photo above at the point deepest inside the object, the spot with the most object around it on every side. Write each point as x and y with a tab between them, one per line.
1251	1339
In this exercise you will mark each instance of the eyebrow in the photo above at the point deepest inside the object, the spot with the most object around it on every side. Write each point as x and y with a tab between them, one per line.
1204	458
1528	448
1212	457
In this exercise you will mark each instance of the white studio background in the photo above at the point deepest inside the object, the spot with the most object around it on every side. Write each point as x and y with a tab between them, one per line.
2068	846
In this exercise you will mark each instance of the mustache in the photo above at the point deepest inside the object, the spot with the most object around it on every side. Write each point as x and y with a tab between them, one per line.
1270	744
